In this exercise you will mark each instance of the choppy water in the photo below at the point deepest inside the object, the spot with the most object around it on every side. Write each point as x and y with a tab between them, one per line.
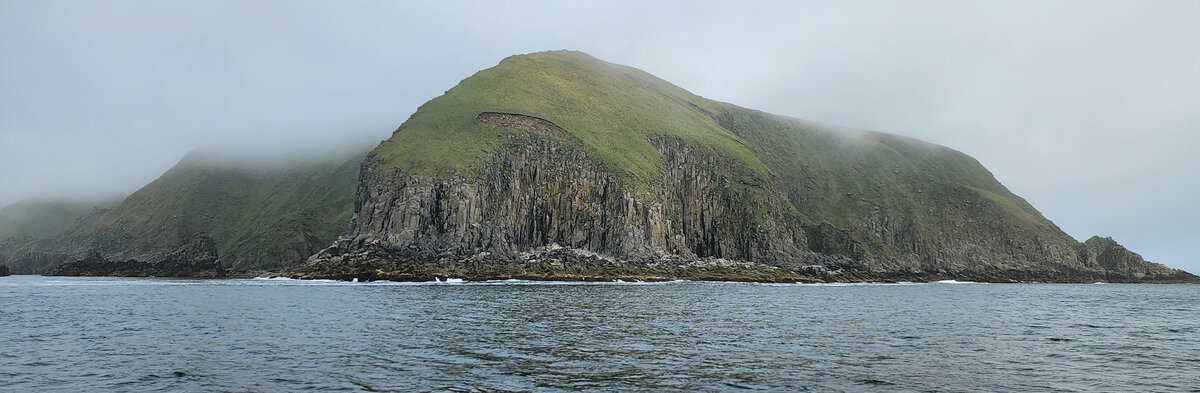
113	334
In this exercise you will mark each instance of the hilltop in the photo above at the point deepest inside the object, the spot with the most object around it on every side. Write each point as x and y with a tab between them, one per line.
559	165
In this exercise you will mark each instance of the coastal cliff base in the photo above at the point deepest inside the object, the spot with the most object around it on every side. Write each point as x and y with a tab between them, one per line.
197	259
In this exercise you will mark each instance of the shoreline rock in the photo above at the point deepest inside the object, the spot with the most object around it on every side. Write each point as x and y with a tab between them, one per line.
561	267
198	258
554	263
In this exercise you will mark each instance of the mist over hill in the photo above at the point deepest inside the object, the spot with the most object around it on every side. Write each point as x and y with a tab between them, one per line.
260	208
38	218
559	165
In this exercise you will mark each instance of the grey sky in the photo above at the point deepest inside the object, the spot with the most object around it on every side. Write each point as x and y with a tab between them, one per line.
1088	109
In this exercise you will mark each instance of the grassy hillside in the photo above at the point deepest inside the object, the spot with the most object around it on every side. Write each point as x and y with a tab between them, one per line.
830	175
42	218
261	214
259	217
839	176
611	109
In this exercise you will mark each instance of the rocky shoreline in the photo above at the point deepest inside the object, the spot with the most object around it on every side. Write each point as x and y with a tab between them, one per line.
367	271
481	185
565	264
550	263
197	259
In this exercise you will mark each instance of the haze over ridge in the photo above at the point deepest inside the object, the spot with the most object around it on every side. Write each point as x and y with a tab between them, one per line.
1086	109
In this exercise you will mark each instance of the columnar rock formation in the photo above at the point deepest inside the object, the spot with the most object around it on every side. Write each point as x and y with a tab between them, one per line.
556	165
546	188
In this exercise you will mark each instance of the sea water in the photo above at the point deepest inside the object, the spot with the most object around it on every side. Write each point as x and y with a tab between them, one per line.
122	334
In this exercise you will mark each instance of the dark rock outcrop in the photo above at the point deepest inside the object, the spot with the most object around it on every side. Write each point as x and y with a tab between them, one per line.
198	258
537	193
4	270
1123	265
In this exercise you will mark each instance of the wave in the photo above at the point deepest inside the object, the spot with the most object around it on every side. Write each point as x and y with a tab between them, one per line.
955	282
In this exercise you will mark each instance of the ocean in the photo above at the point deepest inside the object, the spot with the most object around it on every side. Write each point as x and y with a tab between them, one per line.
76	334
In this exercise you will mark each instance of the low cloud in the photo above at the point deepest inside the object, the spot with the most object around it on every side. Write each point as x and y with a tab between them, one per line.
1086	108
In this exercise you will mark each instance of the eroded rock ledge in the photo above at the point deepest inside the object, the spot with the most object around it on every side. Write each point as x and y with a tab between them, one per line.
513	121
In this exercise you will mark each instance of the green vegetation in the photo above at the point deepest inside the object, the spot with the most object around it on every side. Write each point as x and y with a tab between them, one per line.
829	175
841	176
613	110
260	218
42	218
858	194
1013	207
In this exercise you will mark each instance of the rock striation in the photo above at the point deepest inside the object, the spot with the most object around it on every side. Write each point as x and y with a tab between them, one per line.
545	189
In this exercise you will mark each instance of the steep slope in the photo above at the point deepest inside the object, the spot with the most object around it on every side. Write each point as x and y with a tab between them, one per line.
27	221
41	218
258	216
558	165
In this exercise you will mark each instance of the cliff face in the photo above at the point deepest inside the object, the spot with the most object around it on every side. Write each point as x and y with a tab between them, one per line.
542	189
536	193
559	166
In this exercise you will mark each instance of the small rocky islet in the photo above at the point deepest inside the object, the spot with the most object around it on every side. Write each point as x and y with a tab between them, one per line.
559	166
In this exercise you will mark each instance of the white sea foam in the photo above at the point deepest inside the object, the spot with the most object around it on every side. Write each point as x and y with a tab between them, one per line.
289	281
955	282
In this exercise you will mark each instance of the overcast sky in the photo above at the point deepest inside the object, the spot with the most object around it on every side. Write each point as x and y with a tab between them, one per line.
1090	109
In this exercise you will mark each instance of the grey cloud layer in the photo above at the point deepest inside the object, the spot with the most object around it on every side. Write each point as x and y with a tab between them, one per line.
1087	109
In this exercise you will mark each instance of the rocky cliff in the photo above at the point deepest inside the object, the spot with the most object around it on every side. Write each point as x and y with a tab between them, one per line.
558	165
